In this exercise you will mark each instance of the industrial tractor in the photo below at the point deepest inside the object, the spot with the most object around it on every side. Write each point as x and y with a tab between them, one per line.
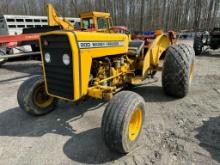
80	64
209	39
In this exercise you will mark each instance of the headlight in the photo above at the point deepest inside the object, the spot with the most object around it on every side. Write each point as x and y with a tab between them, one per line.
66	59
47	57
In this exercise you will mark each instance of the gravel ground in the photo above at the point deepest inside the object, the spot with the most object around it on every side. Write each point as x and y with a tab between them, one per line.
176	131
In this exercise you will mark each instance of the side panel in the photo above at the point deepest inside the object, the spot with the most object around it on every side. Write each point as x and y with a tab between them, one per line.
102	44
75	56
158	46
86	62
95	45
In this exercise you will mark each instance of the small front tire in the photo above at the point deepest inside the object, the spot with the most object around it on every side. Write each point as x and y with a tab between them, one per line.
33	99
122	121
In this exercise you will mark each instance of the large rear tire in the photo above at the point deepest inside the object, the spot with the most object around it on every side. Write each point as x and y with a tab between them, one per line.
122	121
177	71
33	99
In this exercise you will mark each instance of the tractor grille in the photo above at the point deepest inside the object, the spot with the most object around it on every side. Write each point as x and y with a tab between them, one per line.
59	76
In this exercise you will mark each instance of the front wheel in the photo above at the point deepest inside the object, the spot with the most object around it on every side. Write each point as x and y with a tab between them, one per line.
33	99
122	121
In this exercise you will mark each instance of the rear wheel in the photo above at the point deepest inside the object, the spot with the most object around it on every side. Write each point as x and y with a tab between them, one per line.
122	121
177	71
33	98
198	44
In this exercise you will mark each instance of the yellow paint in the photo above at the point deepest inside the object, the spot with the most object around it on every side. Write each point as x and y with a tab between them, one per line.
157	47
82	58
95	92
54	20
94	15
98	37
40	97
135	124
75	57
88	54
191	72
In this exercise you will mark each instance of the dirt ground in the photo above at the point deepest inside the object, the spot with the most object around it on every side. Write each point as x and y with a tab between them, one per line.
176	131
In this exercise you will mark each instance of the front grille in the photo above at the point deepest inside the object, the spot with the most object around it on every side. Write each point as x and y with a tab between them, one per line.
59	76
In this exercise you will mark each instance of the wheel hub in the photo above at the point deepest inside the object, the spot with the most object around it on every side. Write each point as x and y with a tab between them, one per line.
135	124
40	97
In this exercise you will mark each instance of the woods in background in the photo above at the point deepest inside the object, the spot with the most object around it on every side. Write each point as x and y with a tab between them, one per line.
138	15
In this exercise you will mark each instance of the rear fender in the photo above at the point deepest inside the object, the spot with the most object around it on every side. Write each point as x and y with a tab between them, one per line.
156	49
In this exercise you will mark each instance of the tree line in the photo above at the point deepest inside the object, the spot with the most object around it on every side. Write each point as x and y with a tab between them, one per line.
138	15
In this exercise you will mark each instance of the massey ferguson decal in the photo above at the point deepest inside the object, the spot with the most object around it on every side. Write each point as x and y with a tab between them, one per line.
100	44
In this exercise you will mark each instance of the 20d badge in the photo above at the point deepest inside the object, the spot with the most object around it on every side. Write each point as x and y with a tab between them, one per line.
100	44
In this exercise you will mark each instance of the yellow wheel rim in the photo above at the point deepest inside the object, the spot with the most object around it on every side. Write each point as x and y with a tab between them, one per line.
135	124
40	97
191	72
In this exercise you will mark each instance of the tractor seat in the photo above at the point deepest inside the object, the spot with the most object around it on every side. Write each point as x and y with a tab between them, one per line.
135	47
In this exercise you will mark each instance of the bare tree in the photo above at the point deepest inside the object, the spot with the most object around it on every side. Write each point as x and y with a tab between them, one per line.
138	15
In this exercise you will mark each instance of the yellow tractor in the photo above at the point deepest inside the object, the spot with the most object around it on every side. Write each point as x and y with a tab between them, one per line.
100	65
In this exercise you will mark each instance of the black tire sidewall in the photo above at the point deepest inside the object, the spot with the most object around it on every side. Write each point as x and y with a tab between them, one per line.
25	97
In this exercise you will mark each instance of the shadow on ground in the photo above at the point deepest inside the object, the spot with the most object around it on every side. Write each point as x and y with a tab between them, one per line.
88	147
85	147
209	137
153	93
